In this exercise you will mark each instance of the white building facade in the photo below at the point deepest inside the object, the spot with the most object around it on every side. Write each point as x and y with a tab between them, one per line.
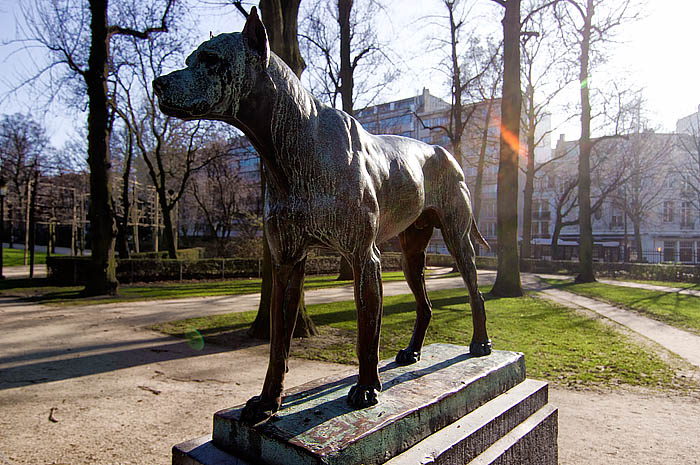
644	192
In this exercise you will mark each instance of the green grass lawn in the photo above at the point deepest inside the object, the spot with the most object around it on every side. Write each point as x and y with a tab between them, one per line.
40	290
559	345
679	310
15	257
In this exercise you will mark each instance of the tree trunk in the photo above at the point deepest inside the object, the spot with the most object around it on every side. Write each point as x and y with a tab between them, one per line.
526	248
347	84
346	71
478	184
508	275
103	278
555	241
586	274
456	110
638	239
169	232
123	225
345	273
260	329
280	20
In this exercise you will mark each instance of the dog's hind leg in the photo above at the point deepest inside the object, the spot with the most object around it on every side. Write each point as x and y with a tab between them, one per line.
287	284
456	219
413	242
368	299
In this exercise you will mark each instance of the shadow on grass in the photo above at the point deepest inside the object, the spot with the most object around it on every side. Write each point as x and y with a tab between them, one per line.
24	283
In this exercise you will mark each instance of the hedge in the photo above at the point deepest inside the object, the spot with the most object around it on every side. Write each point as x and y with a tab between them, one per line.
73	270
150	267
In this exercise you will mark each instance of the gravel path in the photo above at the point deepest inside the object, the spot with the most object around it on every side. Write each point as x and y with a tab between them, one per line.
86	385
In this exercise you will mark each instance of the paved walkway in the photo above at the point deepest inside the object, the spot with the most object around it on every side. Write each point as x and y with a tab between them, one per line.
652	287
682	343
22	271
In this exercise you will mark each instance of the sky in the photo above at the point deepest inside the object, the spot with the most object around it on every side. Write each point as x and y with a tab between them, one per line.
658	53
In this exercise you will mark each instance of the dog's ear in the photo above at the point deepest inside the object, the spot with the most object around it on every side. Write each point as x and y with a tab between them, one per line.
256	35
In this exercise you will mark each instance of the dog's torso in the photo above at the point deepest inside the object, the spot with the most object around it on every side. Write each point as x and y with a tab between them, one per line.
397	178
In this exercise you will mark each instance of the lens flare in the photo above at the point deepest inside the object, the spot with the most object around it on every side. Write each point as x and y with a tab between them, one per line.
194	339
511	139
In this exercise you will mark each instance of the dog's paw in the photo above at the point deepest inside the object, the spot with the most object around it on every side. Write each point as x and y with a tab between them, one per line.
258	410
407	356
479	349
361	396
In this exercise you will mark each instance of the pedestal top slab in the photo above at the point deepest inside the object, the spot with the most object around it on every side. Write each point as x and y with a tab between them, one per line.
316	426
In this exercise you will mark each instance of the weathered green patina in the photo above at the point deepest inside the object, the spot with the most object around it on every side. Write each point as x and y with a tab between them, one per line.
316	425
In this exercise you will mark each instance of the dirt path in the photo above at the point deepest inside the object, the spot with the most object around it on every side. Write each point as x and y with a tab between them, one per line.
86	385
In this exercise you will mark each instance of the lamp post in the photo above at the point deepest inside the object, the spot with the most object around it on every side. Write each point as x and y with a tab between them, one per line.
3	193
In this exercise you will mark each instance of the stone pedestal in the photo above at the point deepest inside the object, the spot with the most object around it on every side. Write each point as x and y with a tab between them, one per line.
449	408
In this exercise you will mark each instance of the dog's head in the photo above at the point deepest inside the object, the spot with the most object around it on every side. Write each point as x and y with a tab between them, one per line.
220	73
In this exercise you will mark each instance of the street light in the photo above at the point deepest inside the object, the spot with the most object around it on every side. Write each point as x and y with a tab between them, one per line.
3	193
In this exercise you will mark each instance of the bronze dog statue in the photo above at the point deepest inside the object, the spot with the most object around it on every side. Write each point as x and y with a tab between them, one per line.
330	183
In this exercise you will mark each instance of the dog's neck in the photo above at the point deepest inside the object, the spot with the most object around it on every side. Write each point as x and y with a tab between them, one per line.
279	118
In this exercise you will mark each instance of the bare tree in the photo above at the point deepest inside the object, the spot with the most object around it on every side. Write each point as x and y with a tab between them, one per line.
589	26
608	173
545	75
341	42
485	64
688	164
565	201
169	149
23	152
61	27
219	192
645	157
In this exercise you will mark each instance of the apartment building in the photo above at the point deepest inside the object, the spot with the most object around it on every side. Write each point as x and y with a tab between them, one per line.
644	194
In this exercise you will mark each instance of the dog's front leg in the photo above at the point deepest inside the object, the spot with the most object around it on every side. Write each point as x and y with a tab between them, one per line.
368	299
287	284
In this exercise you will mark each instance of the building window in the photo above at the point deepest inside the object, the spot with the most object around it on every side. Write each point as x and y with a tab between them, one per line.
390	123
490	210
616	221
668	211
686	215
488	229
669	251
686	187
670	181
685	251
540	209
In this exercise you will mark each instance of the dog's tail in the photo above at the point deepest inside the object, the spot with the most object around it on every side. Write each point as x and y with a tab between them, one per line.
474	232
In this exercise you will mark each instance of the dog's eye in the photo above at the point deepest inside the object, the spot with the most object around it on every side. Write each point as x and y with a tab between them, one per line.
209	59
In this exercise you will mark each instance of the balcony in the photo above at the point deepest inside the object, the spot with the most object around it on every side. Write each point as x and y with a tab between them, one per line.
687	225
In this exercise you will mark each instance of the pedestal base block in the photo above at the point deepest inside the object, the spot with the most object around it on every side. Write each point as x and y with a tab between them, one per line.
448	408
